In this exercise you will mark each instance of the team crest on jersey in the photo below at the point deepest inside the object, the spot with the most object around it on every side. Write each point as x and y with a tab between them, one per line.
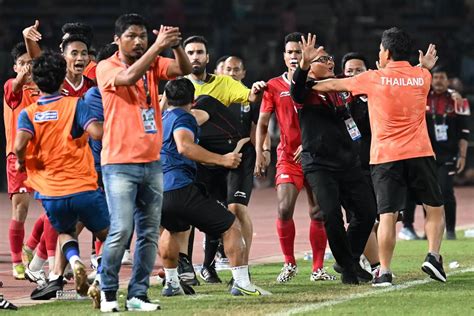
284	94
245	108
46	116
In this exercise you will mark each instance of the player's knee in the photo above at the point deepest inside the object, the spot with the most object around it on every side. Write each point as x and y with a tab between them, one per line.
285	211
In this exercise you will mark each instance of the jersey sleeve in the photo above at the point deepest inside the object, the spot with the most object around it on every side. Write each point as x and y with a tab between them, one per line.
93	99
160	67
268	105
12	99
361	83
83	116
236	91
24	123
186	122
106	74
254	112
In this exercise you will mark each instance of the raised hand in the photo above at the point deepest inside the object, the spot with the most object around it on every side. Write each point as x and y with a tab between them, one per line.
167	36
309	51
258	87
32	33
429	59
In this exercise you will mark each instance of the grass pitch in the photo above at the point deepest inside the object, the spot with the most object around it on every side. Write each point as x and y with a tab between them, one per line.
303	297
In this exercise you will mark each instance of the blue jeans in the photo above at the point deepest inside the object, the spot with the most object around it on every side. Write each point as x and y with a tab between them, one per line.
133	192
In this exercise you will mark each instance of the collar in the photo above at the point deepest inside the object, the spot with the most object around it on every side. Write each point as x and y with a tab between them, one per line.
46	99
73	86
398	64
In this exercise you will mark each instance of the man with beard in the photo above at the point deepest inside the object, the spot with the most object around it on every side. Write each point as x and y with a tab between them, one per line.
226	90
289	178
331	162
131	167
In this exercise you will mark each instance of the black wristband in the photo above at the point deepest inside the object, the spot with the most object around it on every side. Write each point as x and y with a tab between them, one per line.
176	46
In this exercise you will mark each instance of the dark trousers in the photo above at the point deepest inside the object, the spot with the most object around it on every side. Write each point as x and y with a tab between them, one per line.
445	178
330	187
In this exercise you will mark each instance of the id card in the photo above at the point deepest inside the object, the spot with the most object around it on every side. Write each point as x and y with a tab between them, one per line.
149	124
441	132
352	129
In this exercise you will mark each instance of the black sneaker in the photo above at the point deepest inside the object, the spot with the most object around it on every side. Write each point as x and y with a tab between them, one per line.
434	268
349	277
209	275
362	275
450	235
47	290
382	280
186	271
4	304
337	268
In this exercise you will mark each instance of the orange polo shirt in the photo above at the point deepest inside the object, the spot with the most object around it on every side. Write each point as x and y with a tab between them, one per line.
125	139
397	106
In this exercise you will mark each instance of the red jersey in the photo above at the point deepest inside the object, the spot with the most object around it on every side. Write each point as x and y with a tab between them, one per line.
71	91
276	98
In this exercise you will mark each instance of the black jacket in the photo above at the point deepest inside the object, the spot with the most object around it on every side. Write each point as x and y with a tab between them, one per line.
326	142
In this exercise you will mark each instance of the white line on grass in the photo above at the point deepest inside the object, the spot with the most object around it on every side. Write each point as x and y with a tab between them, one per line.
316	306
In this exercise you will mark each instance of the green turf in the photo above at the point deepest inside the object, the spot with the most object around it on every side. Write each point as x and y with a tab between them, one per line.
433	298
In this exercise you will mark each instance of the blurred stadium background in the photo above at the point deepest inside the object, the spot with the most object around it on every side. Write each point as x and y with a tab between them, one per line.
255	31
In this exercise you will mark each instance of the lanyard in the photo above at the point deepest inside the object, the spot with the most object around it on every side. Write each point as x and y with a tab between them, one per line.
147	91
433	110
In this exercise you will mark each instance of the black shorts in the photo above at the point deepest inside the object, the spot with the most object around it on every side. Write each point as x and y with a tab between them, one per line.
393	181
190	206
230	185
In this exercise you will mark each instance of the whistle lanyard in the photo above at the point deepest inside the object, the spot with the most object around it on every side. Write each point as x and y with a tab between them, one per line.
147	90
433	111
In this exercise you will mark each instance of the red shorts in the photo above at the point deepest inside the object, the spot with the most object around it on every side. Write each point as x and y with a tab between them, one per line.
16	179
289	172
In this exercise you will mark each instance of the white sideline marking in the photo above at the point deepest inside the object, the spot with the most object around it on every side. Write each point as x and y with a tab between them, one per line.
316	306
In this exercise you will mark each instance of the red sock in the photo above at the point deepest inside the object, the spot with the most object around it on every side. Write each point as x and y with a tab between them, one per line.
98	246
318	240
16	234
286	233
41	251
50	238
36	233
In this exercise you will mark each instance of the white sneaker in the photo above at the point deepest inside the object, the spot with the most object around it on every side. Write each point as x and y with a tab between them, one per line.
38	277
288	272
127	258
108	307
137	305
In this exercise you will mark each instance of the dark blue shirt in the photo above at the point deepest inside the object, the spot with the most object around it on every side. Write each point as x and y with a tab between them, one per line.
178	171
94	102
82	118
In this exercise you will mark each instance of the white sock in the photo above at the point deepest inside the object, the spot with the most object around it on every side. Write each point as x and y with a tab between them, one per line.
241	275
36	264
73	260
53	276
171	275
51	262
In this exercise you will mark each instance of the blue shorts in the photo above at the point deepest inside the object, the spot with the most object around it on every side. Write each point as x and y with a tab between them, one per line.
90	208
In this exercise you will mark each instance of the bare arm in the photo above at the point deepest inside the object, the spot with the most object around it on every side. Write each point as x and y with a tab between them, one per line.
165	38
262	145
330	85
21	141
461	163
185	143
201	116
32	36
21	78
181	65
95	130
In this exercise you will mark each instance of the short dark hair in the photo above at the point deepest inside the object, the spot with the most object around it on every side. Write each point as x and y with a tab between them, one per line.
18	50
222	59
438	69
353	55
107	51
49	71
239	58
78	28
74	38
398	43
179	92
293	37
126	20
196	39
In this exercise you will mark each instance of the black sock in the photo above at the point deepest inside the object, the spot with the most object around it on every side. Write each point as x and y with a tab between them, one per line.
375	265
212	244
191	243
110	296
